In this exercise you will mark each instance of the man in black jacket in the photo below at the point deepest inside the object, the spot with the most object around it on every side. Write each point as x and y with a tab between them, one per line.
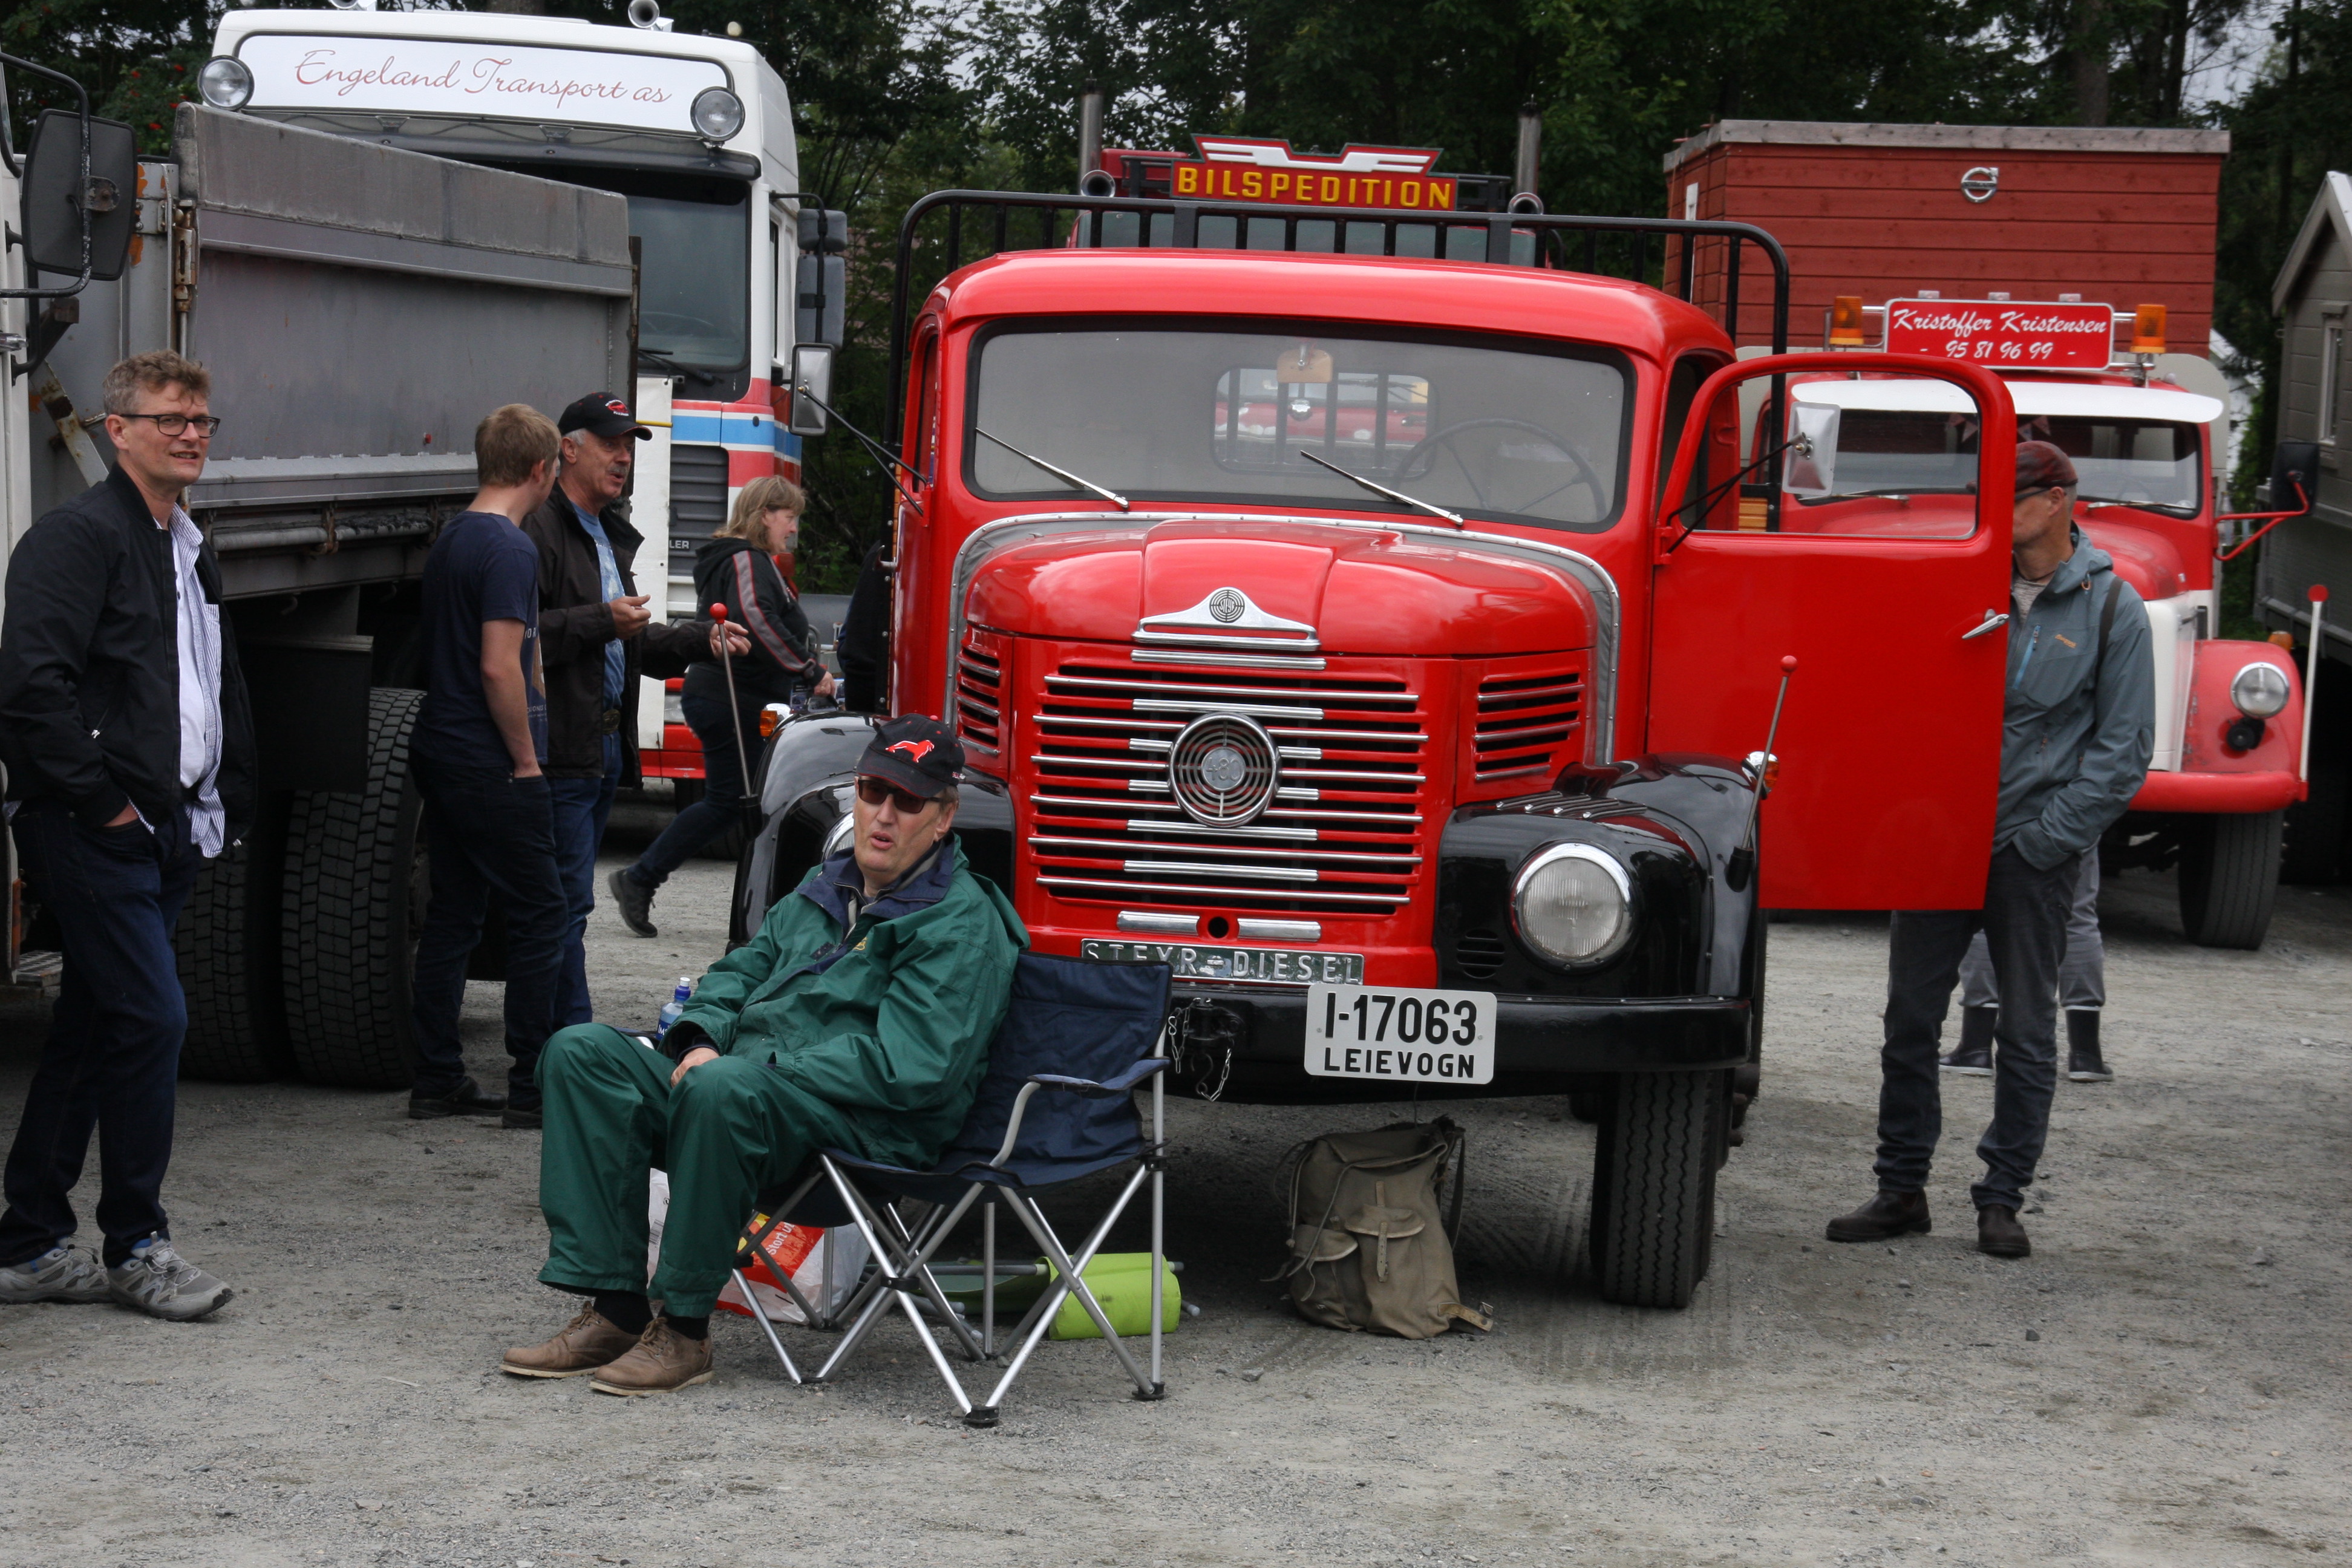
129	746
596	638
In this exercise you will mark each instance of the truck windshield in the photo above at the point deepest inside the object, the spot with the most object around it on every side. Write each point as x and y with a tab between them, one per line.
2155	464
694	288
1176	413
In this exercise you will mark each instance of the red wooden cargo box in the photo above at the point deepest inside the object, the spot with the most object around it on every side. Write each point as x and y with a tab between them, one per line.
2123	216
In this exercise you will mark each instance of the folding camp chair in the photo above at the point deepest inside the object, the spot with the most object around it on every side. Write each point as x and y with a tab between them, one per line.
1081	1033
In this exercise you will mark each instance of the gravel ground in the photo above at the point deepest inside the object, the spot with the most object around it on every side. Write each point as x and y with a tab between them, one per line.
2163	1383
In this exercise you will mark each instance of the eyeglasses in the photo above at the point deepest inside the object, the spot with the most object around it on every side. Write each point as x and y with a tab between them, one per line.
874	792
177	424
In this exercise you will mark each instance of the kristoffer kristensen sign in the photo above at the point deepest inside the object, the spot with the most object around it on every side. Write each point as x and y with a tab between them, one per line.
1996	331
651	92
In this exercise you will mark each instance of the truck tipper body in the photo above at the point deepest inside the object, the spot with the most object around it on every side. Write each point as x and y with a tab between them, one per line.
359	307
2071	262
694	132
1393	663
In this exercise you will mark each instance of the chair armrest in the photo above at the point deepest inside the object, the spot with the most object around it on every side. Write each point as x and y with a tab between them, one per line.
1120	1085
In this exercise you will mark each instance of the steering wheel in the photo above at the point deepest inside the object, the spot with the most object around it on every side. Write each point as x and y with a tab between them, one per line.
1422	451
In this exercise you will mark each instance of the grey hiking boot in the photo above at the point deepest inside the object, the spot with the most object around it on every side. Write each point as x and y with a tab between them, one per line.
635	900
158	1281
60	1274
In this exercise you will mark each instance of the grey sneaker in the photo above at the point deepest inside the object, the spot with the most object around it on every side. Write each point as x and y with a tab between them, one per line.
60	1274
160	1282
635	901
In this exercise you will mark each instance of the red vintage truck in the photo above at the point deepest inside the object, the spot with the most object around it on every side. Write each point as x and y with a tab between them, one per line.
2069	261
1377	639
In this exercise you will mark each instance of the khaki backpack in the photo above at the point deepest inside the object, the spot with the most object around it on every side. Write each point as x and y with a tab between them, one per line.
1367	1249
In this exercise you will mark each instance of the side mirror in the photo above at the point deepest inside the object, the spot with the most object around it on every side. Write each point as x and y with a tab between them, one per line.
1812	448
57	201
812	387
2294	470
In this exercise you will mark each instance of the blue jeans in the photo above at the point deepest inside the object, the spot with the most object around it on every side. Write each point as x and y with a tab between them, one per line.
721	806
112	1062
2024	922
486	832
582	808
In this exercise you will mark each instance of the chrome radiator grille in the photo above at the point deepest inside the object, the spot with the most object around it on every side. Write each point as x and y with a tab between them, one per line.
1344	834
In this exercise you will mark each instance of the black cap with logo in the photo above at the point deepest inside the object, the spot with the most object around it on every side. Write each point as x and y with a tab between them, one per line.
915	752
602	414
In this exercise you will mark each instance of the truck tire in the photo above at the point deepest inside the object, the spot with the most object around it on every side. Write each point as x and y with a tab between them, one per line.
228	946
353	902
1653	1227
2229	878
1589	1105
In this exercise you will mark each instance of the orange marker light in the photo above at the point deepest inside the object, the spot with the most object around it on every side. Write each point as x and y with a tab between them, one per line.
2147	329
1846	322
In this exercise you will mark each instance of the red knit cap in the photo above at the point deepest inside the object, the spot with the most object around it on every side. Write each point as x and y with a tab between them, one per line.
2042	466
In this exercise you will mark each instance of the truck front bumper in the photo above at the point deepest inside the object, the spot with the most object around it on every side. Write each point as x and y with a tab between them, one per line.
2221	795
1544	1045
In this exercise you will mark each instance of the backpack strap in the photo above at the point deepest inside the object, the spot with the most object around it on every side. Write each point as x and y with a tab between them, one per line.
2106	624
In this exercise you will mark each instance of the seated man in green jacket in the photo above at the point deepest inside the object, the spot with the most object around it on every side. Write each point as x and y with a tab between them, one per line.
858	1018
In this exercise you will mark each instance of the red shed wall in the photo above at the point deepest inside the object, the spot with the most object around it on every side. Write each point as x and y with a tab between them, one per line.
2121	228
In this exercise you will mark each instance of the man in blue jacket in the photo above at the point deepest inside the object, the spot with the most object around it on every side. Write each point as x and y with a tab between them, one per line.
2078	728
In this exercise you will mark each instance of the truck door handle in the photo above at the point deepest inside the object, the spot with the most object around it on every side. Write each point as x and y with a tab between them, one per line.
1994	620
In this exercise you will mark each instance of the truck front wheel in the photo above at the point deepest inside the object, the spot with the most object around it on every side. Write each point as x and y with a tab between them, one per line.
2229	878
1653	1186
353	901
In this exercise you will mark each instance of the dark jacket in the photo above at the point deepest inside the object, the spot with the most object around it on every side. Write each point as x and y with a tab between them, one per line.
575	622
885	1010
89	665
2079	724
738	575
866	639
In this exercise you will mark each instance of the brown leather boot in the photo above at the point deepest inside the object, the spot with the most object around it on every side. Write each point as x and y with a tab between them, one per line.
1999	1234
587	1343
663	1360
1883	1217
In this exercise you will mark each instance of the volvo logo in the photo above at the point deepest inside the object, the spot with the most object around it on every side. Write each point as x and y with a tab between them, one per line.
1223	770
1227	606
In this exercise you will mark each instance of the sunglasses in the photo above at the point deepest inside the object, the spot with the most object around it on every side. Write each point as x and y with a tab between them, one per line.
874	792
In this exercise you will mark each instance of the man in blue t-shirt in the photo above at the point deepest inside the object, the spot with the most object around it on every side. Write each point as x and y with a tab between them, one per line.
477	754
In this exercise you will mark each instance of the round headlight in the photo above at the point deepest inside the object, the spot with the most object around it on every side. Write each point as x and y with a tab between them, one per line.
717	114
1573	904
225	82
2260	691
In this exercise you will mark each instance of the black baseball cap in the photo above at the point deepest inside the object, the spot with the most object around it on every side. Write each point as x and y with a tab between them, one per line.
915	752
602	414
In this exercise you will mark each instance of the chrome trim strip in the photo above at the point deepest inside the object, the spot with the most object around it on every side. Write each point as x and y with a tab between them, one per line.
1582	571
1280	930
1223	661
1194	828
1244	614
1151	923
1211	640
1123	684
1228	894
1210	868
1255	710
1127	846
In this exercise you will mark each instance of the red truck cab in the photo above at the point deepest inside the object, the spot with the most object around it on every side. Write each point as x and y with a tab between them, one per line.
1376	641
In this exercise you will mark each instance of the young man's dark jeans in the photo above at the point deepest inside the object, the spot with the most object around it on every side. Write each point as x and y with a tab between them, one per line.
2024	922
582	807
112	1059
487	832
721	806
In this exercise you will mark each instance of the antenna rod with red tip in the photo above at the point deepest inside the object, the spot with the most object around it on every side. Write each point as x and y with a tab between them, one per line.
734	710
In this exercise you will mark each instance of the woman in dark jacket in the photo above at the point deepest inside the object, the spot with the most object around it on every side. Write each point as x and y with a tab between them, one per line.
735	569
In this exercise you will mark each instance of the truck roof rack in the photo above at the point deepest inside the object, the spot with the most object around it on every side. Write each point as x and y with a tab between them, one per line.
979	223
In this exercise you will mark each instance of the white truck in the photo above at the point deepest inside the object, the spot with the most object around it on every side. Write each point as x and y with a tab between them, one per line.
360	308
695	133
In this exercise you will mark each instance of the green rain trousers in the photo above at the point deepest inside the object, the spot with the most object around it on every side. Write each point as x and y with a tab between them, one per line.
732	1129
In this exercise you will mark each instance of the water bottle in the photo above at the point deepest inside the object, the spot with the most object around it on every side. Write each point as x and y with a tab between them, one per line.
676	1005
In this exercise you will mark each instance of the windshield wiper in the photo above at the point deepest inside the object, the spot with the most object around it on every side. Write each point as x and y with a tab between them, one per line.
668	364
1454	518
1062	474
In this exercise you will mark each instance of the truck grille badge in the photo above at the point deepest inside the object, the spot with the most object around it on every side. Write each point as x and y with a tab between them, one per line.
1222	770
